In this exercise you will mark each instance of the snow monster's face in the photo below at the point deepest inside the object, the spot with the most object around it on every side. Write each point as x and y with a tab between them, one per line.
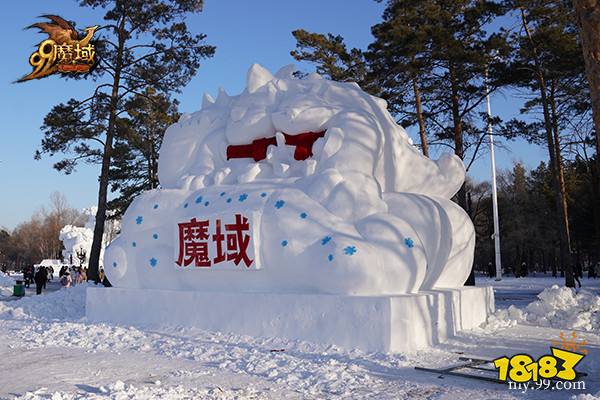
295	185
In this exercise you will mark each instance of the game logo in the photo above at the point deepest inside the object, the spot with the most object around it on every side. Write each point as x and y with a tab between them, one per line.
65	51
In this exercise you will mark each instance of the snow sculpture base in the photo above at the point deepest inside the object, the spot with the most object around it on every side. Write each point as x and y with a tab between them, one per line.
372	323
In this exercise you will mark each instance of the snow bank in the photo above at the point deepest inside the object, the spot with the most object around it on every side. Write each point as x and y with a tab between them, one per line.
6	284
67	304
120	390
586	396
562	307
557	307
504	319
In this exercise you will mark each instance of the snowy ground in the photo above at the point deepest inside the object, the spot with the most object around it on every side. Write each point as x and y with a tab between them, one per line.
48	351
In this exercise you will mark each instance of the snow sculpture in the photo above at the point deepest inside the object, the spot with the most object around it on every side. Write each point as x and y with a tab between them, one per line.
77	240
295	186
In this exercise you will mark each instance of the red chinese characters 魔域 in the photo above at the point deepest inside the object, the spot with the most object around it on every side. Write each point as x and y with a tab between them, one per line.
201	246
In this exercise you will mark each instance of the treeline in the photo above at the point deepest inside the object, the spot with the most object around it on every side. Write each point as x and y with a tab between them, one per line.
529	235
37	239
435	62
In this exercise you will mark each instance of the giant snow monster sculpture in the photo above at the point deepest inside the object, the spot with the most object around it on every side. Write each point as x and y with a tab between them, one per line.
295	186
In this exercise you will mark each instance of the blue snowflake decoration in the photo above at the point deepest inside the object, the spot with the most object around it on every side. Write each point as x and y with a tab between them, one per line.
115	264
330	258
198	199
229	199
325	240
284	243
206	203
153	262
242	197
155	206
155	236
349	250
185	205
279	204
222	194
133	244
303	215
139	220
408	242
263	194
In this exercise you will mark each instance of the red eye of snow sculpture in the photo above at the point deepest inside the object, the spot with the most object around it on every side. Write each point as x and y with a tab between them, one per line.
257	150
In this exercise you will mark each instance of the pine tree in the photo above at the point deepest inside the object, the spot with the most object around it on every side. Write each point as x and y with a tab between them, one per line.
401	61
331	56
547	61
144	43
135	156
588	18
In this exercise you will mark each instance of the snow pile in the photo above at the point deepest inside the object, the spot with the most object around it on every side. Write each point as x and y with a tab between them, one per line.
6	284
586	396
65	304
562	307
120	390
504	318
557	307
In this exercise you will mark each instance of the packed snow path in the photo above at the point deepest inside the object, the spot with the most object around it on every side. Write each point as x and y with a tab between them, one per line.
48	351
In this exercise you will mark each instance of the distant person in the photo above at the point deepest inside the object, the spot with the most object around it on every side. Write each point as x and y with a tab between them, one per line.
65	280
82	276
75	276
45	272
523	271
101	275
28	275
50	273
597	270
62	271
491	271
591	271
40	278
578	273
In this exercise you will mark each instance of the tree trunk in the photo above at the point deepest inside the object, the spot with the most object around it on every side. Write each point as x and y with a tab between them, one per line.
588	18
458	133
150	161
562	228
459	150
420	118
94	265
562	206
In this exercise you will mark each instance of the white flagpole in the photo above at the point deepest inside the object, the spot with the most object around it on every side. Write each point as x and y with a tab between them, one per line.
496	234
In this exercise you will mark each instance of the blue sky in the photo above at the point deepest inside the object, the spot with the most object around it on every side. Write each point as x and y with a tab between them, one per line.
244	32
